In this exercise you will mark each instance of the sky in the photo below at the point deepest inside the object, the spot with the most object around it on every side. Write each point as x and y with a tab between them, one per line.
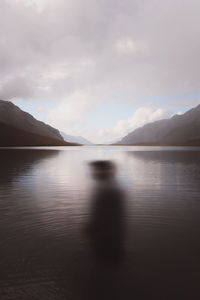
100	68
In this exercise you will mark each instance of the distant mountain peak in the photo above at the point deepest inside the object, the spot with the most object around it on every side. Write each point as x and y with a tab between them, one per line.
75	139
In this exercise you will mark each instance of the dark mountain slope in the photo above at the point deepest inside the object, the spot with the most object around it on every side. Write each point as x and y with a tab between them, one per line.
14	137
179	130
19	128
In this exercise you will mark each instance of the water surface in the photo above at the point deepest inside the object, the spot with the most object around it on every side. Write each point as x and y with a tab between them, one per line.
44	204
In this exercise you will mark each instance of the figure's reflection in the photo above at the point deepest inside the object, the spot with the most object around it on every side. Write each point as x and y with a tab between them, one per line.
106	230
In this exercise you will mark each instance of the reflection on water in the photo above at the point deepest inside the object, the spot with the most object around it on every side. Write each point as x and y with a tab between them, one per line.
44	203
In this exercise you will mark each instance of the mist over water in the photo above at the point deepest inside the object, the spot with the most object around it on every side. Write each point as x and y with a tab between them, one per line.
44	204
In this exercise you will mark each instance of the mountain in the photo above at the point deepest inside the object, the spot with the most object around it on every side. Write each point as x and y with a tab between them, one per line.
115	141
19	128
178	130
75	139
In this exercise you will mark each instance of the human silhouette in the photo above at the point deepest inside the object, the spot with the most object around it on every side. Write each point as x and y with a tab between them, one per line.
106	225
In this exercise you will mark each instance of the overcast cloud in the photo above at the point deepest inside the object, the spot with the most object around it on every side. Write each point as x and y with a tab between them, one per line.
82	53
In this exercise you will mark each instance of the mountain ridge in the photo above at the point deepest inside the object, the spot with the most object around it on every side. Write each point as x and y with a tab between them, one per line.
177	130
75	139
11	114
19	128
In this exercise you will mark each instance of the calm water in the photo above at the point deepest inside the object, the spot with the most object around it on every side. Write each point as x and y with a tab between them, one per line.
44	196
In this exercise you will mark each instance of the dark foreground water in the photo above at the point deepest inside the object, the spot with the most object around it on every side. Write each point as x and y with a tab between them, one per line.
44	253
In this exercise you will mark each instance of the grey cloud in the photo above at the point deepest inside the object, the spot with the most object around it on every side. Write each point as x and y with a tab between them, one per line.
17	87
80	39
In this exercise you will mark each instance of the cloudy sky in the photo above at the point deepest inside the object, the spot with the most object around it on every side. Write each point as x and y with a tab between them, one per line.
100	68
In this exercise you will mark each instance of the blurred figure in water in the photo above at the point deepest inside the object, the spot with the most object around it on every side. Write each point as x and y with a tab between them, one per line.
106	226
105	231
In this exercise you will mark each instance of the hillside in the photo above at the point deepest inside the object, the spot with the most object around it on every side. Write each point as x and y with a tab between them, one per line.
178	130
75	139
19	128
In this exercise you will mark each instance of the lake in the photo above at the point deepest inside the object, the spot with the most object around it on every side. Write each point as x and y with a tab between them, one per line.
44	202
